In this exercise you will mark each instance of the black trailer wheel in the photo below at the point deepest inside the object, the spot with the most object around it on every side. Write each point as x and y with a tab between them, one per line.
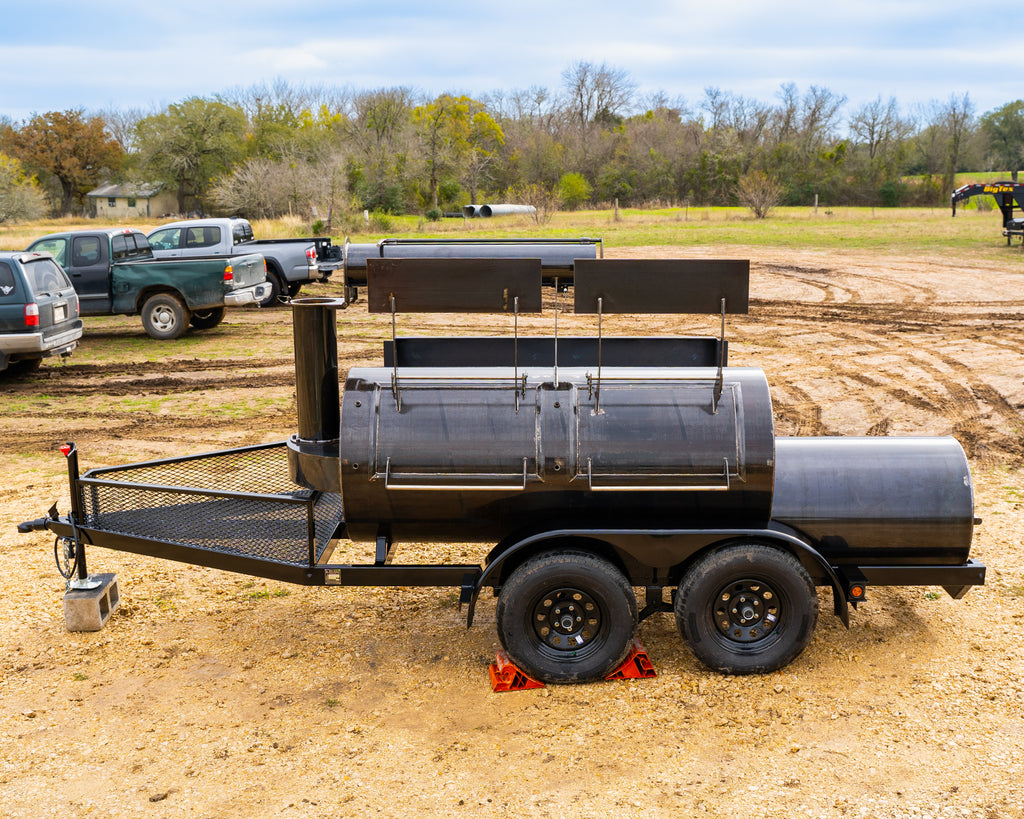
207	319
293	289
164	316
566	617
746	609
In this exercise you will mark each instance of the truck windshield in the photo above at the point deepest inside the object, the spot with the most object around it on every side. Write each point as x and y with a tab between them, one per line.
46	276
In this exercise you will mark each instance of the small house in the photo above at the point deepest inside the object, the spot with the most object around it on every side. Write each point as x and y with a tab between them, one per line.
132	199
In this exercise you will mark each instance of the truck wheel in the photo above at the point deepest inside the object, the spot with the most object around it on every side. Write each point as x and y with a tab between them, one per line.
26	366
293	289
746	609
567	617
274	280
164	316
207	319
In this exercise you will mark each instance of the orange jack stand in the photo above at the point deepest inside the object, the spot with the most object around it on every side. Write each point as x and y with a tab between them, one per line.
506	676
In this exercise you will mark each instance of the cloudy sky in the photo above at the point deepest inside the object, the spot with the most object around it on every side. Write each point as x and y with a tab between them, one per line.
60	55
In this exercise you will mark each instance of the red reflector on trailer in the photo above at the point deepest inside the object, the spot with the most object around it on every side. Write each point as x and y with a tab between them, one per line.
32	315
65	449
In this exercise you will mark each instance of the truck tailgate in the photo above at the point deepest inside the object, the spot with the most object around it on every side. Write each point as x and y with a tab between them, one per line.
247	270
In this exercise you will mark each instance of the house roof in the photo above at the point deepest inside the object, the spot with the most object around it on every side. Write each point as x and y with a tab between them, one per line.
135	190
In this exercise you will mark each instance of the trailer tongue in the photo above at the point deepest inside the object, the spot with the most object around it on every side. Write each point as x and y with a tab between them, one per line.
589	467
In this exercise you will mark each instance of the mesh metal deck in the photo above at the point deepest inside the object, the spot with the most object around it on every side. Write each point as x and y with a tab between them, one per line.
238	502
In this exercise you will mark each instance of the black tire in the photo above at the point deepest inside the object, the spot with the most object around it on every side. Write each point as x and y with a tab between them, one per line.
276	288
165	316
567	617
207	319
293	289
26	366
746	609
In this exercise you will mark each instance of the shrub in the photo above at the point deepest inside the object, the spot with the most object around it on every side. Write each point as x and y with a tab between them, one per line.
381	221
891	194
574	190
759	192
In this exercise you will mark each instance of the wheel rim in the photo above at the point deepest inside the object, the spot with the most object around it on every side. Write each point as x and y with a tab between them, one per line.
568	621
748	611
162	318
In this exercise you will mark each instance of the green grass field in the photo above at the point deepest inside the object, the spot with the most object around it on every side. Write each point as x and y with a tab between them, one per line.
904	231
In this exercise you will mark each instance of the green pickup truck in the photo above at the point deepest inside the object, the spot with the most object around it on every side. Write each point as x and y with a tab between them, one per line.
113	270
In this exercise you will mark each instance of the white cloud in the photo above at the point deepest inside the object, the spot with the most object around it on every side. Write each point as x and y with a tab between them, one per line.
909	49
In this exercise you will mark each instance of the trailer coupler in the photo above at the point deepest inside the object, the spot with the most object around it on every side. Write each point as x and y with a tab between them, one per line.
39	524
68	548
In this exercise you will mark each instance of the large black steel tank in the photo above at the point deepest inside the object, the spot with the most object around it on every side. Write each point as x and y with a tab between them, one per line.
477	453
889	500
557	256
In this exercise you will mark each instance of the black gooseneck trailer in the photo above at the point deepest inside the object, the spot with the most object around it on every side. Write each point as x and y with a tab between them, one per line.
590	466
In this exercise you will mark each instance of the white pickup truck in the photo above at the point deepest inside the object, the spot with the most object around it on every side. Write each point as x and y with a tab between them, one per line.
290	262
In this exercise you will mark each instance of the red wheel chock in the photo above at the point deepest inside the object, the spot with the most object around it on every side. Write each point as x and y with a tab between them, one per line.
506	676
637	666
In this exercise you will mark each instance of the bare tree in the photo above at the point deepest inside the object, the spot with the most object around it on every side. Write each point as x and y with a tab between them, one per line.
957	117
121	122
596	90
760	193
880	133
715	104
545	201
248	190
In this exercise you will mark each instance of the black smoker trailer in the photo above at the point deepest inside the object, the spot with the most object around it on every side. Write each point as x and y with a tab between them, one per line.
591	466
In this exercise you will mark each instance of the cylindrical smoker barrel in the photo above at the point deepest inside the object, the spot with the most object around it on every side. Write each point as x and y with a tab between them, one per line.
877	497
464	457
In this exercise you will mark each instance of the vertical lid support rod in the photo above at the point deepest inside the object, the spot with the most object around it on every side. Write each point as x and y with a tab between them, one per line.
719	380
395	391
556	331
597	392
515	351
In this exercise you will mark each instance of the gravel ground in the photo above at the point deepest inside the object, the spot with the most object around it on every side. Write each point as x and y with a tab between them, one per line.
213	695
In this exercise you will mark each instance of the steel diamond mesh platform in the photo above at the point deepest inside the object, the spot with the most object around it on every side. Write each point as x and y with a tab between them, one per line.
239	502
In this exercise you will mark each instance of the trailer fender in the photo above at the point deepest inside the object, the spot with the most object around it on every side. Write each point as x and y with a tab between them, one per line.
616	542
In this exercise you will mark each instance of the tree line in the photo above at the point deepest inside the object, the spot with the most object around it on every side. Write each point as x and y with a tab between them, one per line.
322	152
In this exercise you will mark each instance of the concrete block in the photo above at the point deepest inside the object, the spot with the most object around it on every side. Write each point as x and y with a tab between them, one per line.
89	609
